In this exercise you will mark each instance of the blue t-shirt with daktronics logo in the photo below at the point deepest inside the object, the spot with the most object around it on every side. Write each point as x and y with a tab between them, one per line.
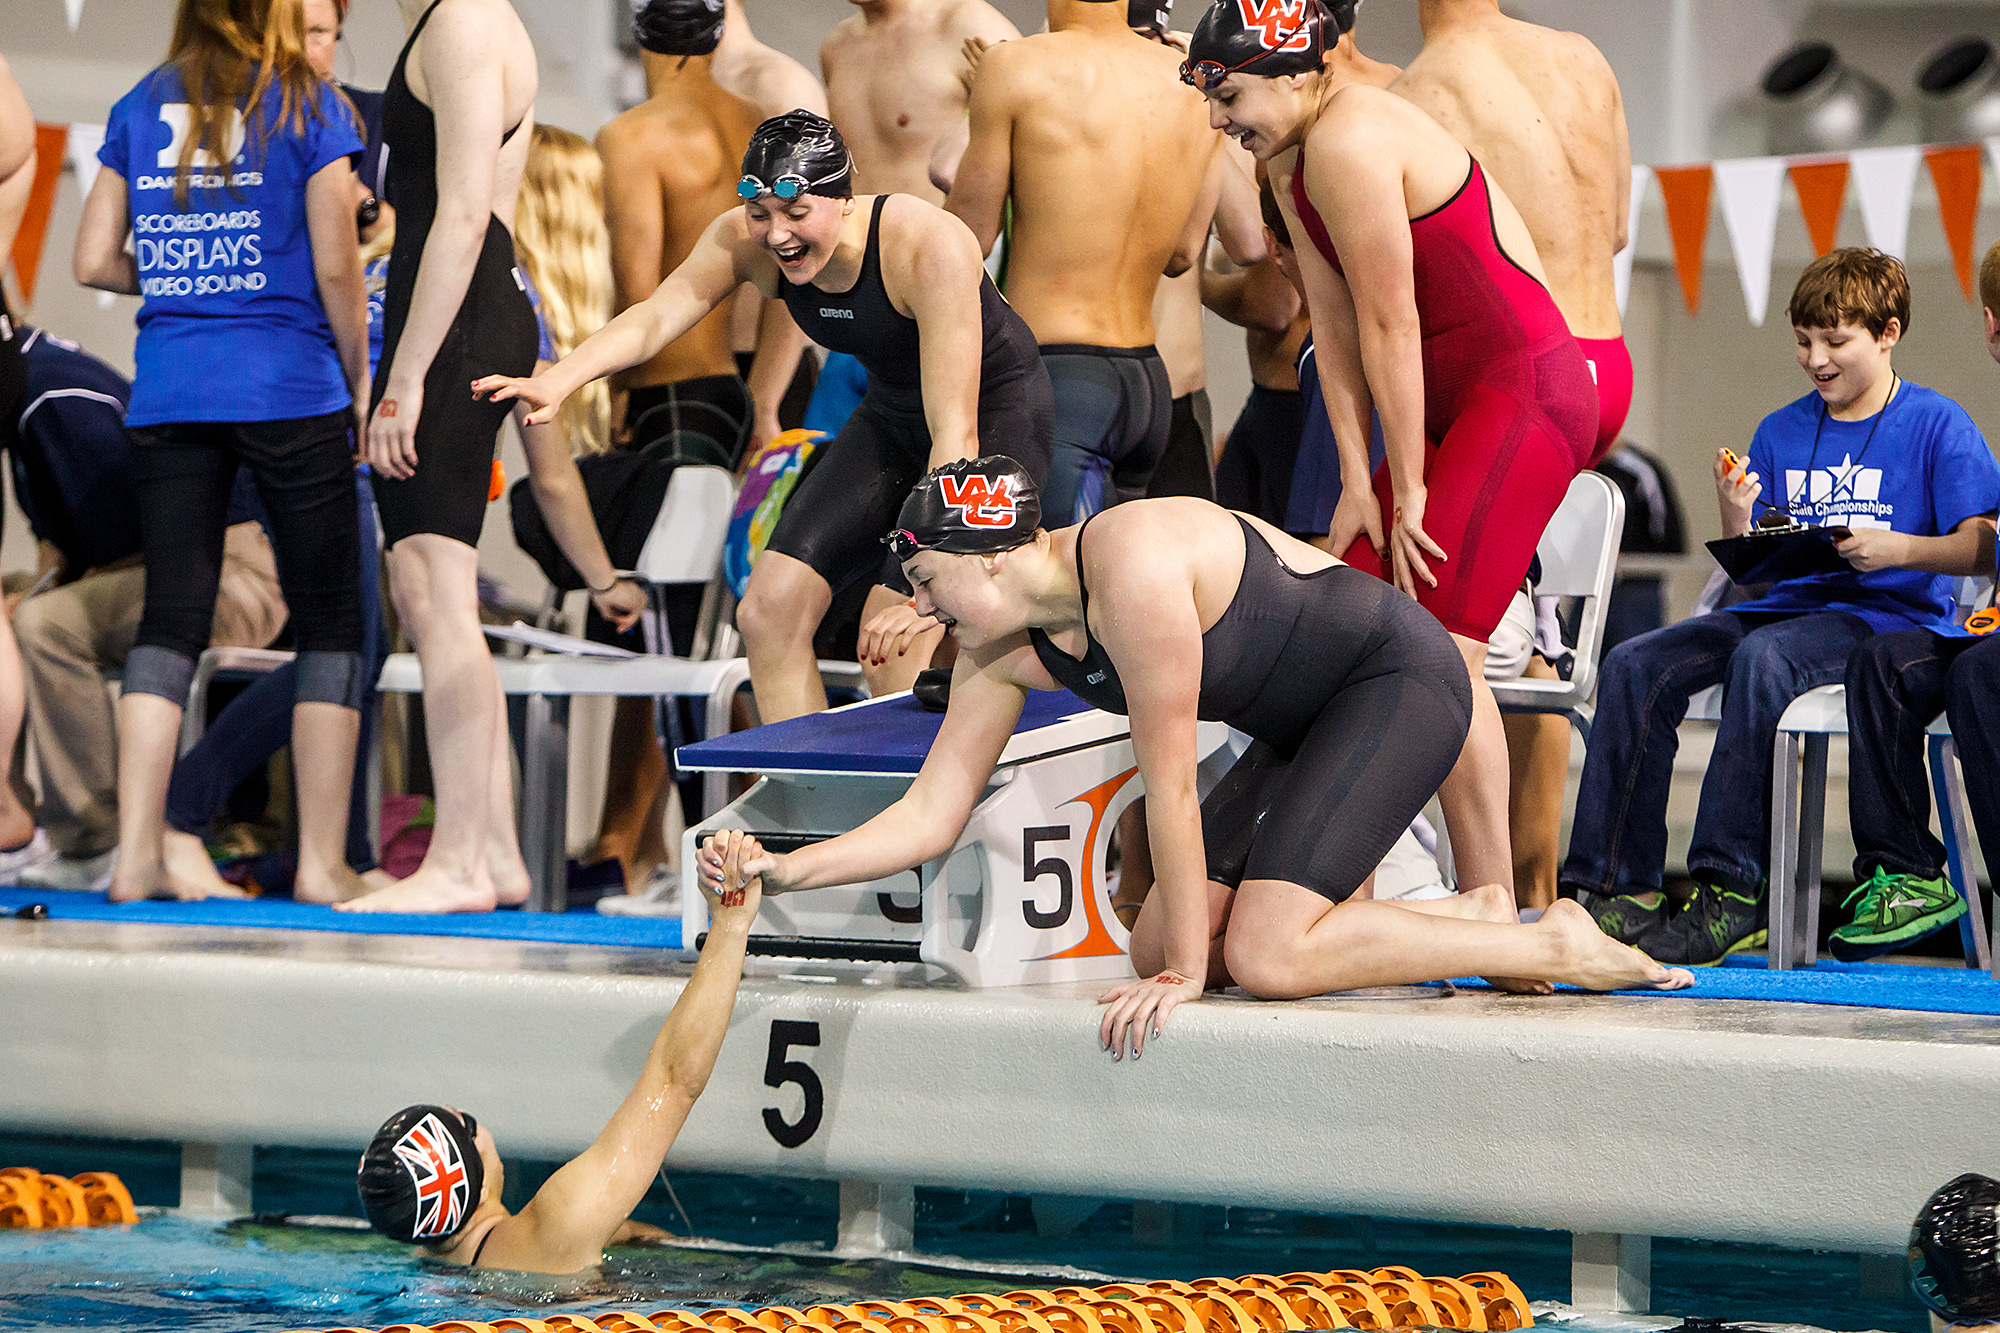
1918	466
231	327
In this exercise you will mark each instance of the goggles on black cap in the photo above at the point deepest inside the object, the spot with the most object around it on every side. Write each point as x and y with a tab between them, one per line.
1269	38
973	506
794	154
677	27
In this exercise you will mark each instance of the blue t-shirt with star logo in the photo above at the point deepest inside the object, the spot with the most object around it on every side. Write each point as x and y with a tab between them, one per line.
1919	466
231	327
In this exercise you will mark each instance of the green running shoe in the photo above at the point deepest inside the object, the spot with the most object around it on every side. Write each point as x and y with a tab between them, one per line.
1719	922
1895	909
1631	917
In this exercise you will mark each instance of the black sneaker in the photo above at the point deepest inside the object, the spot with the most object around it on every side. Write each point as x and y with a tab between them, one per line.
1719	922
1629	918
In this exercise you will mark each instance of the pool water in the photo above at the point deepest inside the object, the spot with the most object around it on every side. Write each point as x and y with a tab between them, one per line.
278	1273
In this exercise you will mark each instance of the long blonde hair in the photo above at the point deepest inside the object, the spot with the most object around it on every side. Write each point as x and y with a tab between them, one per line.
231	51
560	238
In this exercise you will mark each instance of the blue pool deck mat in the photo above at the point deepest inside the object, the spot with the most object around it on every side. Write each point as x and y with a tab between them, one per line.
1915	987
575	927
888	736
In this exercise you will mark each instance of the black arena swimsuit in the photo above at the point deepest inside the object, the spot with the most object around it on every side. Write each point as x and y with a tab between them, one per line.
1357	702
854	485
494	333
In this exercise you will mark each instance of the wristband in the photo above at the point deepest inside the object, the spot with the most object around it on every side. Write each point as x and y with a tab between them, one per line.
599	592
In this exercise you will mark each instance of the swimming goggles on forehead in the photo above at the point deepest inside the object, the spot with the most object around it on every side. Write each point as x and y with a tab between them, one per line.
788	186
1207	74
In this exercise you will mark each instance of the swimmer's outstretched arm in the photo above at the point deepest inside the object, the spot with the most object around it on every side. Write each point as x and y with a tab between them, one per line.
717	266
923	825
938	275
574	1215
1158	656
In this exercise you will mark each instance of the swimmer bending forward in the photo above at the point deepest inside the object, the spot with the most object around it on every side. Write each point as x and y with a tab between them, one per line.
1173	610
894	282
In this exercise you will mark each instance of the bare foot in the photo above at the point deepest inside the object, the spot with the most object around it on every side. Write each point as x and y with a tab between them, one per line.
188	873
337	884
429	890
135	880
1494	902
1589	958
509	873
377	878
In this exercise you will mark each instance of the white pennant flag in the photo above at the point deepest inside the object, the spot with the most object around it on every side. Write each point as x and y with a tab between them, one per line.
1993	151
84	141
1750	188
75	9
1884	181
1621	263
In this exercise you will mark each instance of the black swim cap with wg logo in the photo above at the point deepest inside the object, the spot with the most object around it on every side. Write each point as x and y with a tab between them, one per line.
677	27
421	1176
1267	38
972	506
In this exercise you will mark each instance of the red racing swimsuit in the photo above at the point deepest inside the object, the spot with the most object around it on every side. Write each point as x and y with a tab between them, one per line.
1510	409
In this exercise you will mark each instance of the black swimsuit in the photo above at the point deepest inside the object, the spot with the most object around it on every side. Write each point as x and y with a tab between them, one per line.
1355	698
855	484
494	333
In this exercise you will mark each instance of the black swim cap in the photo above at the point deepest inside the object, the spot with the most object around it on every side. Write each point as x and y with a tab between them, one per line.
973	506
800	147
421	1176
1954	1255
1268	38
1154	16
677	27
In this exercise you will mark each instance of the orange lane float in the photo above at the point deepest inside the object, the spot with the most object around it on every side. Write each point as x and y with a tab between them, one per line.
34	1199
1391	1297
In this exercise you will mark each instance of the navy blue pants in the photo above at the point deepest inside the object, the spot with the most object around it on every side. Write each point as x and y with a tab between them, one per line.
258	722
1896	684
1619	841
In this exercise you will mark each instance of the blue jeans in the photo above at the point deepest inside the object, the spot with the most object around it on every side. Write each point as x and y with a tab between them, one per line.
258	722
1619	842
1895	685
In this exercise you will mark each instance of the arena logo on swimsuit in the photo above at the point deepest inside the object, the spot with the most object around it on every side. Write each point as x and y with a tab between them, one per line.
1280	24
984	502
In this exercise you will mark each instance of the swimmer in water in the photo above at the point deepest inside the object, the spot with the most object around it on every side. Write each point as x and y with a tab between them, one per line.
899	285
1954	1255
1430	308
1176	610
433	1175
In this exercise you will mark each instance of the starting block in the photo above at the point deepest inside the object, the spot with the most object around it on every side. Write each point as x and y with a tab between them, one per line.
1021	896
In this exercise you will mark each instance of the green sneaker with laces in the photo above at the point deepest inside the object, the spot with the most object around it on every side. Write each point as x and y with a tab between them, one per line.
1892	911
1631	917
1719	922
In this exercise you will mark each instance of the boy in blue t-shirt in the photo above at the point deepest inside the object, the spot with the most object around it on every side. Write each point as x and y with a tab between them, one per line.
1896	684
1910	477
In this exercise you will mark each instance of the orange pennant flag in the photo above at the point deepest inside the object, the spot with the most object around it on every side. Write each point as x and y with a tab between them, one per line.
1686	190
50	140
1955	172
1822	188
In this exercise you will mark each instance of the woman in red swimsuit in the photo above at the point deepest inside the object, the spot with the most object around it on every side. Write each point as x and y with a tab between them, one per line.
1429	309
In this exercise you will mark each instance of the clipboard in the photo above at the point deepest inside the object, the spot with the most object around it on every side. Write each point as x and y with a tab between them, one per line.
1772	557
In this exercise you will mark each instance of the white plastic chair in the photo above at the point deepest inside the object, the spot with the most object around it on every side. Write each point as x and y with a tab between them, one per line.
1579	556
1798	814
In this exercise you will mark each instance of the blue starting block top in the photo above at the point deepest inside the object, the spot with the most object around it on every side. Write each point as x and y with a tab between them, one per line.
888	736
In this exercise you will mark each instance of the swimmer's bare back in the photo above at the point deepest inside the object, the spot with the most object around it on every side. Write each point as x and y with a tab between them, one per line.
1541	111
1104	153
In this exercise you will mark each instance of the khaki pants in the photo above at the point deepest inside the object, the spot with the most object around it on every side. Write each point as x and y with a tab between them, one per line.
72	637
